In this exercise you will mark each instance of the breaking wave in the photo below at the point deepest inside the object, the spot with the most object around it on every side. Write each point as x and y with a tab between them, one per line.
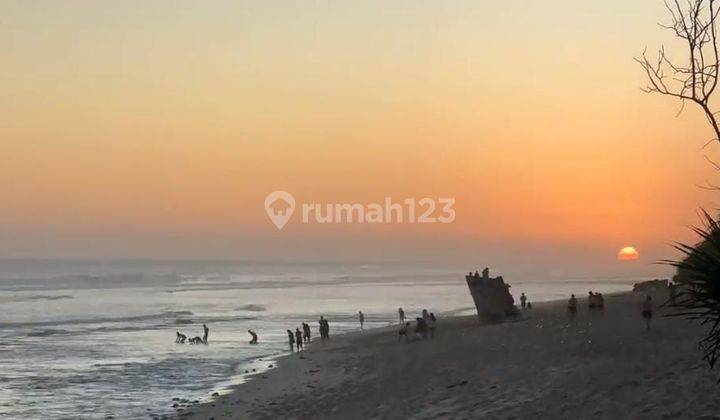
83	321
252	308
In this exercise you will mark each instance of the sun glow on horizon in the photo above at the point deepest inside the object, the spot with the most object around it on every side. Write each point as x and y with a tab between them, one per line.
628	253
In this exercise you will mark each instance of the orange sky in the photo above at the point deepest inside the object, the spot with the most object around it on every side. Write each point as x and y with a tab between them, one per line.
155	130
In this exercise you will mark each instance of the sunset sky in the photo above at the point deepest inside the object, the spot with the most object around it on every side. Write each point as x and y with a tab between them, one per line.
135	129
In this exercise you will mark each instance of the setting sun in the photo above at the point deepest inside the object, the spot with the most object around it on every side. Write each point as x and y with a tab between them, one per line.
628	253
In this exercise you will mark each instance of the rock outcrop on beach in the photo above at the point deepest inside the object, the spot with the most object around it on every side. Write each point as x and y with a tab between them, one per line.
651	285
492	297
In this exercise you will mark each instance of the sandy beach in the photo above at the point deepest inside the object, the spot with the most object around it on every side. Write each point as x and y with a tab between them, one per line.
599	365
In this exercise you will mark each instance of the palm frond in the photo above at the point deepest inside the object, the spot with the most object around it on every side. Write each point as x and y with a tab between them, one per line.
699	279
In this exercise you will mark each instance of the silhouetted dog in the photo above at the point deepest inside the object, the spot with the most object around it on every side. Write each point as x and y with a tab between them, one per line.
195	340
180	339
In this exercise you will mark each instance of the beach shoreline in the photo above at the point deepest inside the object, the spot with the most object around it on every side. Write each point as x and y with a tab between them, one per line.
599	365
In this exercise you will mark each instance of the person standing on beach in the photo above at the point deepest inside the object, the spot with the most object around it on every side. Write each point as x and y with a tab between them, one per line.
306	332
206	333
421	328
298	339
431	324
401	315
572	306
324	329
647	312
291	339
403	332
523	299
361	317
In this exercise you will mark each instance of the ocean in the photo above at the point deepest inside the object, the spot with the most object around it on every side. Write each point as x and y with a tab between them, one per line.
94	339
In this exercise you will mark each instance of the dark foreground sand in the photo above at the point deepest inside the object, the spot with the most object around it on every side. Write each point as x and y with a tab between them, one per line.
543	366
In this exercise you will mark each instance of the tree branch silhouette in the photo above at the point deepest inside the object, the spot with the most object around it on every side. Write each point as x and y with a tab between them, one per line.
695	80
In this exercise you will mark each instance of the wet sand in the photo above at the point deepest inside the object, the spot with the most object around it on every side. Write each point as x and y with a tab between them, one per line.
599	365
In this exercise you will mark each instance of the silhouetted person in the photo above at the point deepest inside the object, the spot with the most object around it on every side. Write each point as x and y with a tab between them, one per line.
647	311
291	339
401	315
591	300
529	305
298	339
523	299
206	333
421	328
361	317
306	332
403	332
572	306
324	328
254	337
431	324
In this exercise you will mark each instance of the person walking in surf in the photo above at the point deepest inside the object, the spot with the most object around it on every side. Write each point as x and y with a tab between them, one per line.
291	340
206	333
298	339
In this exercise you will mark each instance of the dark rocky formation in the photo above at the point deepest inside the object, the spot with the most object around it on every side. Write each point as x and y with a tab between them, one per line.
492	297
651	285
